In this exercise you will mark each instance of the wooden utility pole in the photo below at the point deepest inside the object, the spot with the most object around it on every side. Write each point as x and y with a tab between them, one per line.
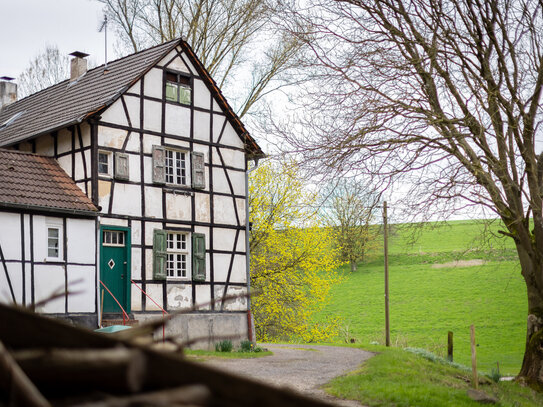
385	226
450	346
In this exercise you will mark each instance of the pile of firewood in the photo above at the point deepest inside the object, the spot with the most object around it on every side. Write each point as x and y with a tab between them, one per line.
45	362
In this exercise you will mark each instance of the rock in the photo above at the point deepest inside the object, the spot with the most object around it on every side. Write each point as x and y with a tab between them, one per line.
481	397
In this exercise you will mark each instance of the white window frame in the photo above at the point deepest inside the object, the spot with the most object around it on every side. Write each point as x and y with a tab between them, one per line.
111	243
172	179
60	242
109	163
174	255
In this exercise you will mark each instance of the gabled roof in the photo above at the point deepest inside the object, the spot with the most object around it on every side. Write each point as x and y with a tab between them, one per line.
30	181
66	103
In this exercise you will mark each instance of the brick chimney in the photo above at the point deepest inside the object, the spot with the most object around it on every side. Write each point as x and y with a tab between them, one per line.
78	65
8	91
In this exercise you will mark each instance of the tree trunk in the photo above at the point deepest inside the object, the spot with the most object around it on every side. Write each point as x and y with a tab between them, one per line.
353	266
532	365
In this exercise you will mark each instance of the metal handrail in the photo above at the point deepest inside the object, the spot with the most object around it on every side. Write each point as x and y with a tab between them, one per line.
154	302
118	303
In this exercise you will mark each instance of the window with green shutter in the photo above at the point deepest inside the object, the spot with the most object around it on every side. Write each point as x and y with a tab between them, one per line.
159	254
198	257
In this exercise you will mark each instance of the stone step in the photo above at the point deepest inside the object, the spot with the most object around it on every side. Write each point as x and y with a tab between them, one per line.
119	321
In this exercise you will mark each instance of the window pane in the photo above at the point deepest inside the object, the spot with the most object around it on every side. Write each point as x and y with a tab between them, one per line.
103	163
171	92
53	242
184	95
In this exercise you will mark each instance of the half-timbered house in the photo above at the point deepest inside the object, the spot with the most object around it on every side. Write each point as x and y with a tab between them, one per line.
153	143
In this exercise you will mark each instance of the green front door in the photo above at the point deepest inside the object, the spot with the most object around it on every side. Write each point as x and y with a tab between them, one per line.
115	268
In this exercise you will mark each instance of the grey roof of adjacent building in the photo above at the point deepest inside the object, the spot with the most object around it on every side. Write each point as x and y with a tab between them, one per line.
68	103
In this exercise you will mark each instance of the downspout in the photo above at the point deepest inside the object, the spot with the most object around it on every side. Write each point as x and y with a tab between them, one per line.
250	318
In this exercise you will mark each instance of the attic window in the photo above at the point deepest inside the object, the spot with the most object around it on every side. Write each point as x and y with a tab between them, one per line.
178	88
11	120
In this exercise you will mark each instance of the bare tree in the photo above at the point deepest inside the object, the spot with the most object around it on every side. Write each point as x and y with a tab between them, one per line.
46	69
233	39
444	98
349	211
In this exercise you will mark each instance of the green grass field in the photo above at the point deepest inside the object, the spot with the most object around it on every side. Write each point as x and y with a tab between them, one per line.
426	302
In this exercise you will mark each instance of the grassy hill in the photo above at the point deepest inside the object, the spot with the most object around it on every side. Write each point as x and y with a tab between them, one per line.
430	294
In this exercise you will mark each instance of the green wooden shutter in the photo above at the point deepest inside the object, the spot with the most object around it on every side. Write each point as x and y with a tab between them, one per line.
198	169
159	254
198	257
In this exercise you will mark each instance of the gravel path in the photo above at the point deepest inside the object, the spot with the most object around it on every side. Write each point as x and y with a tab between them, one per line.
304	368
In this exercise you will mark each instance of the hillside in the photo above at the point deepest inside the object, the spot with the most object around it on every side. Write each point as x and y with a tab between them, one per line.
434	289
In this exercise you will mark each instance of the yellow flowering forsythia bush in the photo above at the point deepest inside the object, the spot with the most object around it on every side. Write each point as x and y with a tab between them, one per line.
293	262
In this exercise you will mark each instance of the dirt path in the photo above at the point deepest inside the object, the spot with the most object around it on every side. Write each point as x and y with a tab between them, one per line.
304	368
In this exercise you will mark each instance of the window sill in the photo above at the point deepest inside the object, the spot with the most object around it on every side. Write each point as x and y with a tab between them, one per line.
178	190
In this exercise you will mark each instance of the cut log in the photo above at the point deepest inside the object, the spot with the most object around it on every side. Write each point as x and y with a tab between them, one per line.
118	370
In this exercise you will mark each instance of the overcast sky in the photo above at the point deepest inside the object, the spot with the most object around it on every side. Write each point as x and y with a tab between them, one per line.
28	26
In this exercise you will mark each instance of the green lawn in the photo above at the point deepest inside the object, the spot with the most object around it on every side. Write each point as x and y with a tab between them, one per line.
426	302
396	378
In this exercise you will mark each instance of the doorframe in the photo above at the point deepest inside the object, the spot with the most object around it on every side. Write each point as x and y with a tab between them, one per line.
128	251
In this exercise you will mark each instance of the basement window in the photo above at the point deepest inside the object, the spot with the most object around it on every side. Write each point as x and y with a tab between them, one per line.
178	88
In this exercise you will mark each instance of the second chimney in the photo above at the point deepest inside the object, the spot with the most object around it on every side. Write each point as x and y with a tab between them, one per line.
78	65
8	91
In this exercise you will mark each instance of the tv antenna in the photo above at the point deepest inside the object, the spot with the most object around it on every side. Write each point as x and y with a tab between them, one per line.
103	27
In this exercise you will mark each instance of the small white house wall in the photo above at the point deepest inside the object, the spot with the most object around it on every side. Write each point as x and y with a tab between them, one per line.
23	241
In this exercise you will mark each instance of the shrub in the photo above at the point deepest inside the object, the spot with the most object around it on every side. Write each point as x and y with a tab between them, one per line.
246	346
224	346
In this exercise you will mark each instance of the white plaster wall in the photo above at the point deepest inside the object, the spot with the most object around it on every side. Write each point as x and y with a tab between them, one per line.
104	190
220	184
79	167
185	145
40	236
148	264
232	158
135	88
134	168
82	282
221	263
115	114
177	64
179	296
113	221
230	137
201	202
136	232
148	142
153	202
202	96
155	292
16	278
152	115
239	274
223	239
223	210
189	65
216	107
45	145
240	206
127	199
135	263
49	279
201	125
10	236
218	122
81	242
178	207
64	141
110	137
203	296
149	232
177	120
133	107
86	134
65	163
133	145
236	304
153	83
135	298
238	181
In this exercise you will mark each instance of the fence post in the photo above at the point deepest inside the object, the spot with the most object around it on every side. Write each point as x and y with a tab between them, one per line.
474	358
450	346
